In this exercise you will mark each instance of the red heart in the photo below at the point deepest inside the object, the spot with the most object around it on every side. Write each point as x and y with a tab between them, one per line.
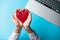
22	14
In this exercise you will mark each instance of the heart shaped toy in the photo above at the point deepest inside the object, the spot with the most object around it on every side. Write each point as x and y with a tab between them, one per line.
22	15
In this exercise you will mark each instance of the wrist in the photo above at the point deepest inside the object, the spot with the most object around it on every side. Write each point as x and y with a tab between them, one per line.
18	26
29	30
18	29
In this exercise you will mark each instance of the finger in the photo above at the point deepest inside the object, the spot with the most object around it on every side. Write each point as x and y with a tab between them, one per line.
17	18
13	18
23	9
15	15
27	10
29	17
18	8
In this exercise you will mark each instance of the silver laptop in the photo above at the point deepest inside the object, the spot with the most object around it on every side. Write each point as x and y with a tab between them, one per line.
47	9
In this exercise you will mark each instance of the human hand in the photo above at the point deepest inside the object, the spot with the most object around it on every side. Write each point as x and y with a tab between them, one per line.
16	21
26	24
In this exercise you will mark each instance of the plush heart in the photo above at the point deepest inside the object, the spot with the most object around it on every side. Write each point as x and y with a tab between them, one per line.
22	14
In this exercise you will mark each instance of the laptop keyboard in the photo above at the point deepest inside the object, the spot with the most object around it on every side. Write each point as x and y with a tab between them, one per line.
52	4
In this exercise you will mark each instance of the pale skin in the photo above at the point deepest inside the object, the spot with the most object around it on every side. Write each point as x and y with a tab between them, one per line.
19	24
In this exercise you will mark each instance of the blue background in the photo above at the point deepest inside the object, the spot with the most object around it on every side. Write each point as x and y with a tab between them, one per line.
44	29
